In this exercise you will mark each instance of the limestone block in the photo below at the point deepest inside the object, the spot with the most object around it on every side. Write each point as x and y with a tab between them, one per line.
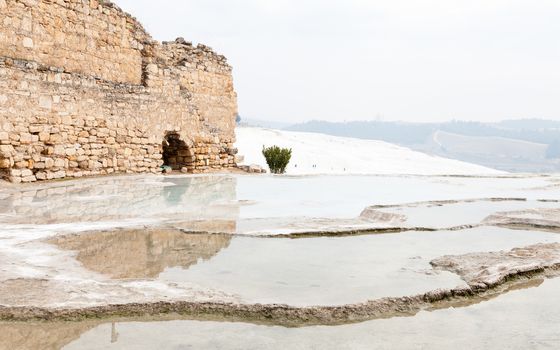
21	164
36	128
59	163
27	43
5	163
15	179
59	174
26	172
44	136
152	69
66	120
7	151
54	139
45	101
59	150
94	164
25	138
49	163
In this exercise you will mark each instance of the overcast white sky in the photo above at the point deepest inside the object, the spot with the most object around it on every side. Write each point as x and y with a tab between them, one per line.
413	60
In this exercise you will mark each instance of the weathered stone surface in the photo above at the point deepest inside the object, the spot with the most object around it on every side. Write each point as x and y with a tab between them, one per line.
543	218
253	168
487	270
111	101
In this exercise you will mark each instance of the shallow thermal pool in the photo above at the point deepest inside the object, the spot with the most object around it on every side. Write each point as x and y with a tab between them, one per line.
298	272
144	239
259	204
519	319
331	271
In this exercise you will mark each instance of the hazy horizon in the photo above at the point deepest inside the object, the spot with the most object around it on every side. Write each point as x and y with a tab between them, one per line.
381	120
296	61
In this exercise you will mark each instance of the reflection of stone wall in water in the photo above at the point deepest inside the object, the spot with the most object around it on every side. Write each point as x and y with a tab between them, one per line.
85	90
119	198
42	335
141	253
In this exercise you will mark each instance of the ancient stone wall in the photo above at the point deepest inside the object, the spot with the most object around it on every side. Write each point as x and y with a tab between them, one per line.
107	98
81	36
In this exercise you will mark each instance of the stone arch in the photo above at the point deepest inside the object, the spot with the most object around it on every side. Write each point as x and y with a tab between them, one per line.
4	168
6	160
177	153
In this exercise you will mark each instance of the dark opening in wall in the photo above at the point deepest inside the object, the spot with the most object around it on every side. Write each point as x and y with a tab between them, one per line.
176	153
4	168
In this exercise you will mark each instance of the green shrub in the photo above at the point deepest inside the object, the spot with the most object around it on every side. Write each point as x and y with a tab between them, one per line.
277	158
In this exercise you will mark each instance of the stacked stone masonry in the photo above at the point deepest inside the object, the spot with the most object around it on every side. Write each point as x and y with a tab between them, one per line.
84	90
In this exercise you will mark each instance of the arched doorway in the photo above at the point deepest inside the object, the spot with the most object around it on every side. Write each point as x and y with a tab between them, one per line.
176	153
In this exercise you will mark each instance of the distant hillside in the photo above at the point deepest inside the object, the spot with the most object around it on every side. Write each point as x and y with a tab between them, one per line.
534	130
395	132
529	124
498	152
528	145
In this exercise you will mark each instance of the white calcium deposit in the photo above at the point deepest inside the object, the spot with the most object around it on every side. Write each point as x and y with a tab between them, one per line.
314	153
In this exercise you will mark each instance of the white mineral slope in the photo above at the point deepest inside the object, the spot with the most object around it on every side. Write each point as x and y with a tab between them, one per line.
314	153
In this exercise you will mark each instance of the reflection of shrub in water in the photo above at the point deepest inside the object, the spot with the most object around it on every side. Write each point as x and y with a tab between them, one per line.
174	194
205	189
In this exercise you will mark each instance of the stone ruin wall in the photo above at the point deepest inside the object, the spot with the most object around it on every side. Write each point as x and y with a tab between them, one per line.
84	90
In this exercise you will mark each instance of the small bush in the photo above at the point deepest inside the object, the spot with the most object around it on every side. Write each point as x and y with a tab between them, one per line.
277	158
